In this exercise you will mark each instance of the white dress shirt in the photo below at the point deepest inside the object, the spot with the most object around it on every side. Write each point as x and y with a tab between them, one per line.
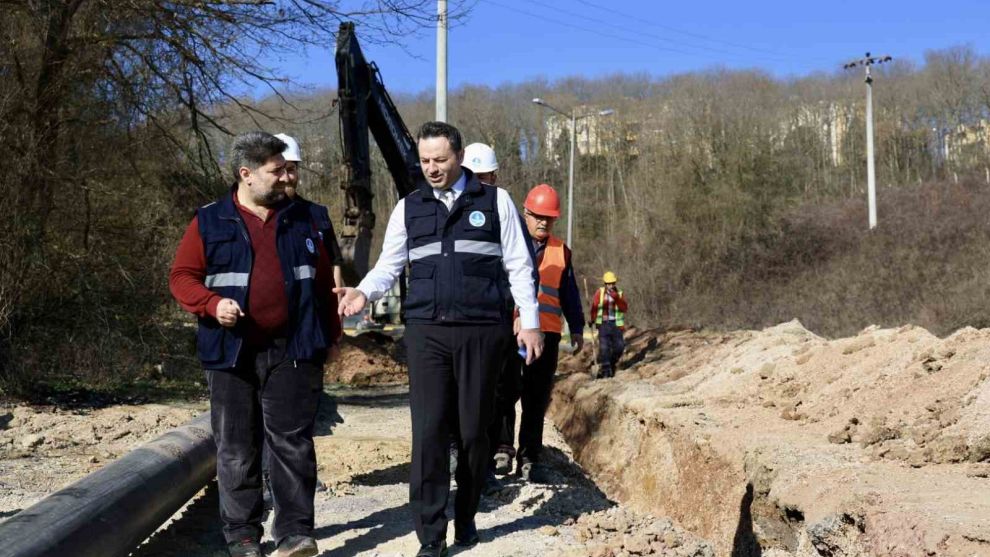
515	255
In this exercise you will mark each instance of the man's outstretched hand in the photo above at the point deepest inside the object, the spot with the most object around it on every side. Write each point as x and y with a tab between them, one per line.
352	301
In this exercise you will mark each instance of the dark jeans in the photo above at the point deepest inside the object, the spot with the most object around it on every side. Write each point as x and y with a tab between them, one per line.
610	348
265	396
452	374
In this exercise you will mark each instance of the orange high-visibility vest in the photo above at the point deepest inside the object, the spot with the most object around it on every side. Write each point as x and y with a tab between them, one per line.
551	275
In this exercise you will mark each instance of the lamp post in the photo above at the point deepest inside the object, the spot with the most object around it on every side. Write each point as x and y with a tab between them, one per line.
570	174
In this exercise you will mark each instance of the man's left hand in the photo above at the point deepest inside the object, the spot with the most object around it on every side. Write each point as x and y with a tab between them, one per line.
577	341
532	339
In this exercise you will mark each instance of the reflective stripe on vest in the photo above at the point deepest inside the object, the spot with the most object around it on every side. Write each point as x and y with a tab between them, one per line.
460	246
620	318
219	280
551	274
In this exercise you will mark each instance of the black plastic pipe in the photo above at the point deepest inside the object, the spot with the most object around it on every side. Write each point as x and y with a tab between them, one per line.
111	511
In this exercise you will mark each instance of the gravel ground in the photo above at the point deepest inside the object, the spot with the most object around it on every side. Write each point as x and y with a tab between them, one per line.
363	453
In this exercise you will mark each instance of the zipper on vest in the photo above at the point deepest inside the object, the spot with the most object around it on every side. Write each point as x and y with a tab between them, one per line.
240	225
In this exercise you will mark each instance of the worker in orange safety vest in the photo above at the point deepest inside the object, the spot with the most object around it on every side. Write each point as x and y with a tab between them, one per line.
559	300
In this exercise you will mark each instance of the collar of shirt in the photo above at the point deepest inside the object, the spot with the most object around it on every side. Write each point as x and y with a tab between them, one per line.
538	248
457	187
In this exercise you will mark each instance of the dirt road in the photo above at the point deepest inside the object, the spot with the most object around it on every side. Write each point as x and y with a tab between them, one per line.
363	454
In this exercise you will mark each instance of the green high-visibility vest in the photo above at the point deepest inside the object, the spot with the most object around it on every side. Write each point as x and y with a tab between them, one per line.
620	319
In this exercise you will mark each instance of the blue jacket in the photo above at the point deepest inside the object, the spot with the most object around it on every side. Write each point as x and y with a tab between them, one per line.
229	258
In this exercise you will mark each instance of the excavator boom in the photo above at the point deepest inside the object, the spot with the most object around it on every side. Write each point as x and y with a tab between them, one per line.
365	105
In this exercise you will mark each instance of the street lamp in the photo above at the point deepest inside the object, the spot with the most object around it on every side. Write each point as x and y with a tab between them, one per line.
570	175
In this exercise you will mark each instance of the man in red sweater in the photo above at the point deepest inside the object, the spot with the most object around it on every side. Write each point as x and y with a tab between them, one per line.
253	269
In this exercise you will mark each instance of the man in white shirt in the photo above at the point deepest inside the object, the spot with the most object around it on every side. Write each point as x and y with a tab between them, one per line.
462	239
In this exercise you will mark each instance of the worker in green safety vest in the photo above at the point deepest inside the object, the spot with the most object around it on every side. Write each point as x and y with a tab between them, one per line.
608	308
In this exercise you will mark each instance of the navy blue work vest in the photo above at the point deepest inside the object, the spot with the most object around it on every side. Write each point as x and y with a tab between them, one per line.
229	258
456	273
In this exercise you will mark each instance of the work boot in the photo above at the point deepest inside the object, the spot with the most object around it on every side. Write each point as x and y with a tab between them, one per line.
466	535
492	485
297	545
503	463
435	549
245	548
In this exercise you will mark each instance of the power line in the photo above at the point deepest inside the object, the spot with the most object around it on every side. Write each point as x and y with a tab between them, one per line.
599	21
596	31
590	30
640	20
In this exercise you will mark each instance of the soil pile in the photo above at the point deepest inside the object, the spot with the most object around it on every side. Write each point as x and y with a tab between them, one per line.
782	442
370	358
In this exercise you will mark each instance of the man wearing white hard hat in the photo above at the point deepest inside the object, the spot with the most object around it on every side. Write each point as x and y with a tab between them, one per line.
293	157
480	159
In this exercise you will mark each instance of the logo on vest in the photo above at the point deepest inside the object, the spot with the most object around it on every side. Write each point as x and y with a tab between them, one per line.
310	245
477	219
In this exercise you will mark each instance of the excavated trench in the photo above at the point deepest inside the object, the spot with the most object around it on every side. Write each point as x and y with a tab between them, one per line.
779	442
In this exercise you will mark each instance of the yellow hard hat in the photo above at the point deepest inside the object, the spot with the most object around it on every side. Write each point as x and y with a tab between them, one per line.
609	277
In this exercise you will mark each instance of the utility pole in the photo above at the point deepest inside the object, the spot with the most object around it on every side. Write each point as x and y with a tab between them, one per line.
574	117
441	115
871	185
570	179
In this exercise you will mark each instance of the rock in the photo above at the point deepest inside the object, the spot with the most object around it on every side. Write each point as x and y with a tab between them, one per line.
859	343
549	531
600	551
637	544
671	539
32	441
840	437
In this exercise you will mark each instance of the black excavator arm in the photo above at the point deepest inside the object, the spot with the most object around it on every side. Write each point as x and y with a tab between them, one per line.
364	105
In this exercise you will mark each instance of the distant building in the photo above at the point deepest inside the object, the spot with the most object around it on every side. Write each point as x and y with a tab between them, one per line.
595	135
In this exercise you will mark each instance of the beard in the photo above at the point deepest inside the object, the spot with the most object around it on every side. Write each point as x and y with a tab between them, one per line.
270	198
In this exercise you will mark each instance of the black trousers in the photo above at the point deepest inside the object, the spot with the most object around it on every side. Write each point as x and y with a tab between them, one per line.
533	384
610	348
537	384
502	432
265	397
452	374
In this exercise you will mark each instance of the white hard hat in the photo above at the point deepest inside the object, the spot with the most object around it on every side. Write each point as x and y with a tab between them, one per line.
291	152
479	157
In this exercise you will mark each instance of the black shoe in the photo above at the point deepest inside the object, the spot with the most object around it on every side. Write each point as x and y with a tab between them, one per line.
244	548
466	535
503	463
297	546
492	485
435	549
533	472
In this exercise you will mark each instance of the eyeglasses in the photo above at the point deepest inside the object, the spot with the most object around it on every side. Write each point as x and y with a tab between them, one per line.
539	217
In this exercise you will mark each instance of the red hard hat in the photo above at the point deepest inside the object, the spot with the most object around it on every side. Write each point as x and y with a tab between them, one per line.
542	200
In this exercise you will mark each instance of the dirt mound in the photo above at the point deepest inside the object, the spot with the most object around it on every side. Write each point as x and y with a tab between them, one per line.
782	441
370	358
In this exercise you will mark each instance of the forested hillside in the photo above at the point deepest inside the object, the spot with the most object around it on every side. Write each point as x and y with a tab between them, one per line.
722	199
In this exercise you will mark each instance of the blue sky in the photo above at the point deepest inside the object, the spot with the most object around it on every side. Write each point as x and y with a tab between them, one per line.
509	41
